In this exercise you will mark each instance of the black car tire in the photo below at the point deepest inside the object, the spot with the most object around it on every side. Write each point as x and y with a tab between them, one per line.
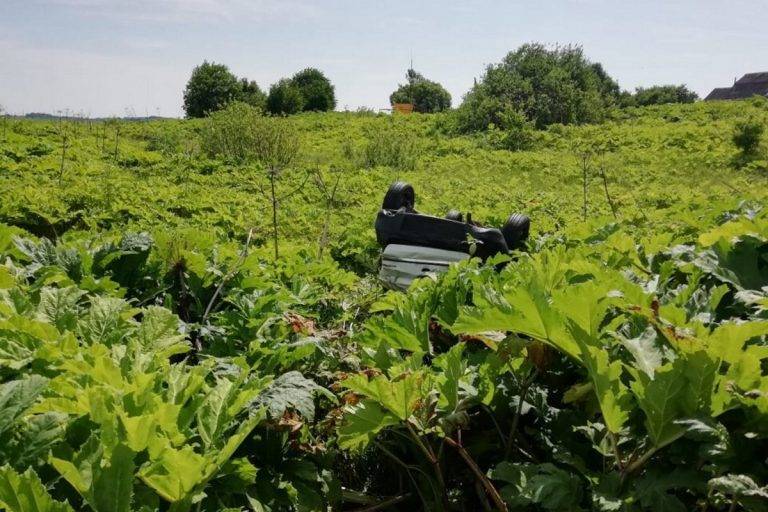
400	195
454	215
516	230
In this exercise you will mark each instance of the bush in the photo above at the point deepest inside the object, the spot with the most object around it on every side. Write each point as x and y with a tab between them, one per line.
165	140
285	98
316	90
658	95
40	148
517	136
425	95
230	134
239	133
547	86
391	147
746	136
210	88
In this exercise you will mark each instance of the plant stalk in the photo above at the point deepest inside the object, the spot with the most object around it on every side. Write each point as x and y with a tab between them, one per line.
489	488
274	213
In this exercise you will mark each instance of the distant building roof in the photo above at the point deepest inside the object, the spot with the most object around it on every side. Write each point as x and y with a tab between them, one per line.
747	86
753	78
721	93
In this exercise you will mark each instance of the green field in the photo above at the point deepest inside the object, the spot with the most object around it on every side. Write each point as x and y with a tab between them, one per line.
155	356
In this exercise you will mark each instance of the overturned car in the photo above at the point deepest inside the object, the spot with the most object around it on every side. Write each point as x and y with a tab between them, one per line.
415	244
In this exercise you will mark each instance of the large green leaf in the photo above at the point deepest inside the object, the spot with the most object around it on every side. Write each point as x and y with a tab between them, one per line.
395	334
174	473
449	381
612	395
660	399
222	404
407	326
32	438
59	306
113	485
362	422
292	390
25	493
104	480
736	485
213	415
6	279
545	485
645	351
20	339
400	396
16	397
107	321
728	339
523	311
653	488
159	332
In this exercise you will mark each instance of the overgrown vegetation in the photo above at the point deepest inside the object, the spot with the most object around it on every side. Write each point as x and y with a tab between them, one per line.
155	354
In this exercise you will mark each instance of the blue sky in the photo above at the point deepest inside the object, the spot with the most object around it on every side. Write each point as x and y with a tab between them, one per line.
108	57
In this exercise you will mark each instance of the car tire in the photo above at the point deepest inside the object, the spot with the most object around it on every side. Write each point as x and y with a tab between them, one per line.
516	230
400	195
454	215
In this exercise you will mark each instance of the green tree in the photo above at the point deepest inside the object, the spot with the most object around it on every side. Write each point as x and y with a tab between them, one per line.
558	85
658	95
285	98
210	88
316	89
251	93
425	95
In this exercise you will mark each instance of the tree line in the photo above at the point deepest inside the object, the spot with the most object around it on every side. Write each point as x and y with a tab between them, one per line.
532	87
213	86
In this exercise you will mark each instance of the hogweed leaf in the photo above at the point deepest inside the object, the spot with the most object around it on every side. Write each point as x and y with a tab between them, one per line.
362	422
293	391
17	396
612	395
24	492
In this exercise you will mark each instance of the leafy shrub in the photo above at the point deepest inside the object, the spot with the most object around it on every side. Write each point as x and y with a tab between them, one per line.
517	136
548	86
425	95
165	141
747	135
240	133
40	148
391	147
658	95
13	154
229	133
285	98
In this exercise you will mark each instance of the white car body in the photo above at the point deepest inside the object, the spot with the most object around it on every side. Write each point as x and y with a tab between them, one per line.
401	264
